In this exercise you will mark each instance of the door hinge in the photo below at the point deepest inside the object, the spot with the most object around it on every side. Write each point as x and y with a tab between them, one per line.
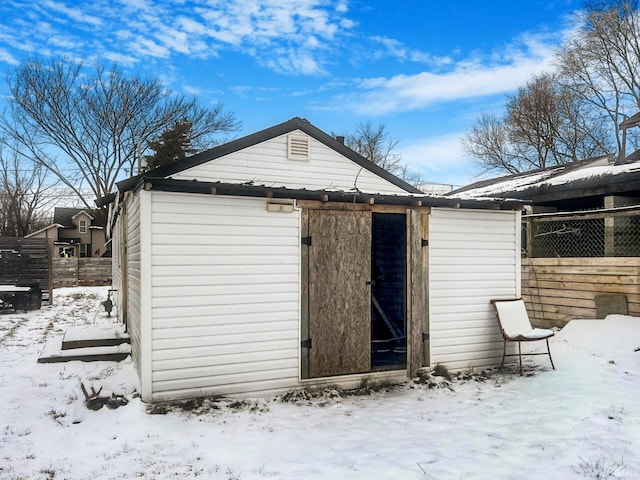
306	343
306	241
425	337
425	242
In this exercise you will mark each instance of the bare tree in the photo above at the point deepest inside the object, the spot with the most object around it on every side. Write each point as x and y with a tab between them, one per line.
545	124
600	64
375	143
25	195
88	128
487	141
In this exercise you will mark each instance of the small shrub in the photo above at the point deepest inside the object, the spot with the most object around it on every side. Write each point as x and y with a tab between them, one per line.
158	409
441	371
598	469
49	473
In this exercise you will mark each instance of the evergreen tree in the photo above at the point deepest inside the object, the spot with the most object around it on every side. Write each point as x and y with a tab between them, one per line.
174	144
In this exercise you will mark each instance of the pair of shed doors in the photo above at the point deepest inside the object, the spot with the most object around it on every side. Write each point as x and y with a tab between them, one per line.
361	292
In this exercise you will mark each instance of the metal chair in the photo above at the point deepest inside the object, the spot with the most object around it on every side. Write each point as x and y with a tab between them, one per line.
515	326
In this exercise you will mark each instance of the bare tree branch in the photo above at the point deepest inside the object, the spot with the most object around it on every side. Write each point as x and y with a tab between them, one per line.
89	127
374	143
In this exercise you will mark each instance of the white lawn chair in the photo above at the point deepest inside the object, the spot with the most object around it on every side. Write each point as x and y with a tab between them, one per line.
515	326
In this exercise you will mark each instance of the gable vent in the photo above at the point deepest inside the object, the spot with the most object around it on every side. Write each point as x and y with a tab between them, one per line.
298	147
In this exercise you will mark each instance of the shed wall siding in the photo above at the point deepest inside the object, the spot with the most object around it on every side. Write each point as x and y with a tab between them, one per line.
267	164
116	272
134	281
225	296
474	257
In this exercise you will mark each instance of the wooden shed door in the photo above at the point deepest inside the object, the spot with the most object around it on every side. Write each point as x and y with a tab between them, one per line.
339	293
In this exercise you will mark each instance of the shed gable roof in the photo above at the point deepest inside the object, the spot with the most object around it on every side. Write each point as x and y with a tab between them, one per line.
295	124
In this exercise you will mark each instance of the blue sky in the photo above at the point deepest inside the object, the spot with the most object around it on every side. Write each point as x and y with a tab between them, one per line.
426	69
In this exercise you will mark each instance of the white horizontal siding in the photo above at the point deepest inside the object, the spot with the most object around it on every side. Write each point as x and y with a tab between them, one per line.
267	164
134	281
225	296
473	258
116	272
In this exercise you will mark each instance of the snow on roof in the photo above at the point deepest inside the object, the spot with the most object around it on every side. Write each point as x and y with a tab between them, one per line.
555	176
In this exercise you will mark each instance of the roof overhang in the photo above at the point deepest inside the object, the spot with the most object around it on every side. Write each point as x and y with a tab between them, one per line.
243	190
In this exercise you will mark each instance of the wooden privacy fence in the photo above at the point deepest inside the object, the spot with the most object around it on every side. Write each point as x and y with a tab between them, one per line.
71	272
26	261
557	290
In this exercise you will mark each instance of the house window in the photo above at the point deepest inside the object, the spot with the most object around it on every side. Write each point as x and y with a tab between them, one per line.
85	250
82	226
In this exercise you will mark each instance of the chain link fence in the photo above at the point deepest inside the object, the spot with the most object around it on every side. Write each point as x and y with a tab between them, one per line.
607	234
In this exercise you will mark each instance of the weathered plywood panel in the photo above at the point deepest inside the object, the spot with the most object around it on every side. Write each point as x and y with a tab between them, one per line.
267	164
419	257
473	258
558	290
339	297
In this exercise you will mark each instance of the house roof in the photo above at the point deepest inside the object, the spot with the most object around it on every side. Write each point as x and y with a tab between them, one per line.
48	227
595	176
64	216
295	123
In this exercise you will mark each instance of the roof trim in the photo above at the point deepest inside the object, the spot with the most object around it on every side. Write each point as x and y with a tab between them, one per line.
85	212
296	123
632	121
48	227
232	189
106	200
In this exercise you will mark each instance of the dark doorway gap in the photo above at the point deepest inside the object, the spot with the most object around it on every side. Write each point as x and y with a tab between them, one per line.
388	291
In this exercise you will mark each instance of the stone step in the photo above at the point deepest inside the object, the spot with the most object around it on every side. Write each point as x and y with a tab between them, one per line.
54	353
94	336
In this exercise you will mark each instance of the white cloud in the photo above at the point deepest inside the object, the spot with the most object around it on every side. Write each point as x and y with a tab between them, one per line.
288	36
434	153
75	14
7	57
394	48
500	72
145	47
440	159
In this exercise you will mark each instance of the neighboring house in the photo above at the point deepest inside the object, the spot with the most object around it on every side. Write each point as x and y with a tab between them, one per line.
582	185
602	190
284	259
74	233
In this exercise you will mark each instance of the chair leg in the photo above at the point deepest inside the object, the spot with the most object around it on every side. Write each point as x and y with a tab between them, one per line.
504	353
549	352
520	355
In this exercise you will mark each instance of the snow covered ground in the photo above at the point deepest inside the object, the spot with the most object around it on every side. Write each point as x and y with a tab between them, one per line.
579	421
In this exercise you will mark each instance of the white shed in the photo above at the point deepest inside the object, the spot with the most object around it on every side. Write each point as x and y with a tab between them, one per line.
284	259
